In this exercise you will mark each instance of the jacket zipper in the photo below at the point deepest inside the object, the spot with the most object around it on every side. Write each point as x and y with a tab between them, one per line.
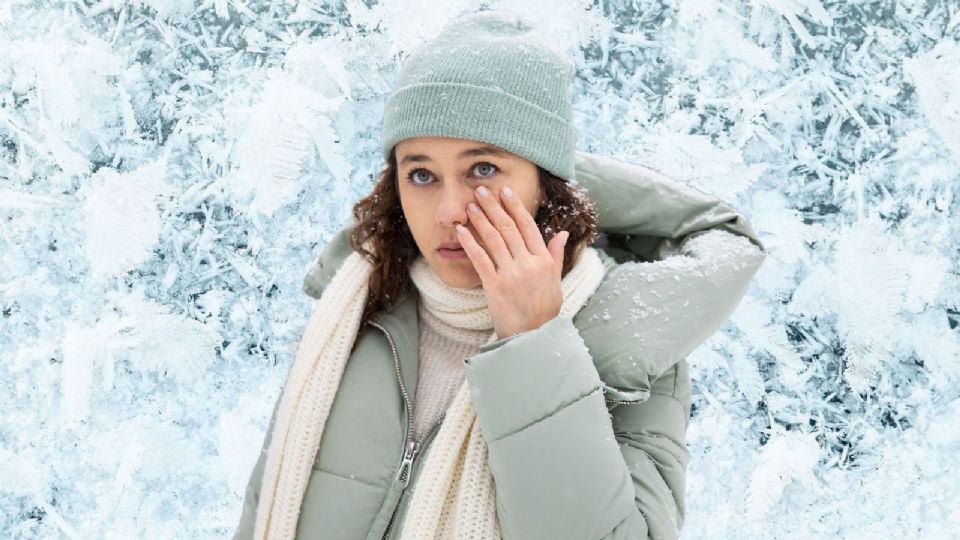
412	447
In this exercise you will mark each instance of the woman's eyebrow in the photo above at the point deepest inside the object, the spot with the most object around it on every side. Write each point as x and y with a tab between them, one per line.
470	152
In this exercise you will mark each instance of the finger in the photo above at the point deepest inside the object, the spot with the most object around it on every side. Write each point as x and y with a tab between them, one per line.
499	218
526	224
496	248
481	262
556	248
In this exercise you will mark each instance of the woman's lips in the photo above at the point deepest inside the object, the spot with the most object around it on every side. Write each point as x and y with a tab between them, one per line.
452	253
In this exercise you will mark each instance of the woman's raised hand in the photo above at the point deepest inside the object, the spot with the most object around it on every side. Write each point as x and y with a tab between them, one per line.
521	275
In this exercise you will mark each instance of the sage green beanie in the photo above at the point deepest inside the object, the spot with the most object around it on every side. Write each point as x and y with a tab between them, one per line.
487	77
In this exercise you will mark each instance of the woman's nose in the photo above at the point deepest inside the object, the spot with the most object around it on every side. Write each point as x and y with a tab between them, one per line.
453	206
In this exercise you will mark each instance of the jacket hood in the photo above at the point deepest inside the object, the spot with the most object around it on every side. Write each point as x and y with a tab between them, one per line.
643	216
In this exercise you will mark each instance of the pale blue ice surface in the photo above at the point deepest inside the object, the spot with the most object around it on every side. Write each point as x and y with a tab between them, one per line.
169	169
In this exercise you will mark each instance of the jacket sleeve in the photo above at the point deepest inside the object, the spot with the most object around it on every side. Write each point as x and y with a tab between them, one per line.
660	311
251	497
563	466
690	259
645	215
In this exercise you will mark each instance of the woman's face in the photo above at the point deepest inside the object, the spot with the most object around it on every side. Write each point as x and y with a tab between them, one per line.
438	176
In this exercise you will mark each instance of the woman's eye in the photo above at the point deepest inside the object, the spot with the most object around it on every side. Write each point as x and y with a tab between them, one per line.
482	164
412	175
484	168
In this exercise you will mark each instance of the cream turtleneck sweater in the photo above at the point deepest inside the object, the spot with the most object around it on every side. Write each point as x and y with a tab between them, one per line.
453	324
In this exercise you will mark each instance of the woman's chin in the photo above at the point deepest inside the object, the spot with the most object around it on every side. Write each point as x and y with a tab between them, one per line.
459	276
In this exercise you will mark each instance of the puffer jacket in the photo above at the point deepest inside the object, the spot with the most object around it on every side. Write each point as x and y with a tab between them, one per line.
584	417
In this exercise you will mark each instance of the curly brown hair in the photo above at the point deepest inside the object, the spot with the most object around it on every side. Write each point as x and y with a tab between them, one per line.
379	218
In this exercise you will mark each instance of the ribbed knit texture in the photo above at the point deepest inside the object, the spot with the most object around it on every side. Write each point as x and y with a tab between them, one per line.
441	371
445	342
454	494
488	76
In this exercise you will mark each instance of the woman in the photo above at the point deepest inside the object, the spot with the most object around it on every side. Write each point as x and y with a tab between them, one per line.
505	378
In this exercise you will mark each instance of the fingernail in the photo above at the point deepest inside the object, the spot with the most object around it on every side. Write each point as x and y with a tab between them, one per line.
507	191
461	229
566	236
483	191
473	207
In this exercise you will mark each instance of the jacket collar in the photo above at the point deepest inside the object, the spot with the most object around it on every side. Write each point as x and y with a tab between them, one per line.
402	321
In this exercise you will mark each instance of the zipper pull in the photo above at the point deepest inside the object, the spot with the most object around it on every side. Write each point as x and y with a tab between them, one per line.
407	464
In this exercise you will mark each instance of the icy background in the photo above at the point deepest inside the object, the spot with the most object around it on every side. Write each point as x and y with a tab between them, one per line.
169	169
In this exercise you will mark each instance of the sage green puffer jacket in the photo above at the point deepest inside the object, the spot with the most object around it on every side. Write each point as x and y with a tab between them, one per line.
584	417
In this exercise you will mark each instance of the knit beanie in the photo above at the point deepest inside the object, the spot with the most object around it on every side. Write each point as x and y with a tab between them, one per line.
487	77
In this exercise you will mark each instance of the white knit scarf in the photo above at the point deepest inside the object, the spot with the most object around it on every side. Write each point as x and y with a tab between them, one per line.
454	493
